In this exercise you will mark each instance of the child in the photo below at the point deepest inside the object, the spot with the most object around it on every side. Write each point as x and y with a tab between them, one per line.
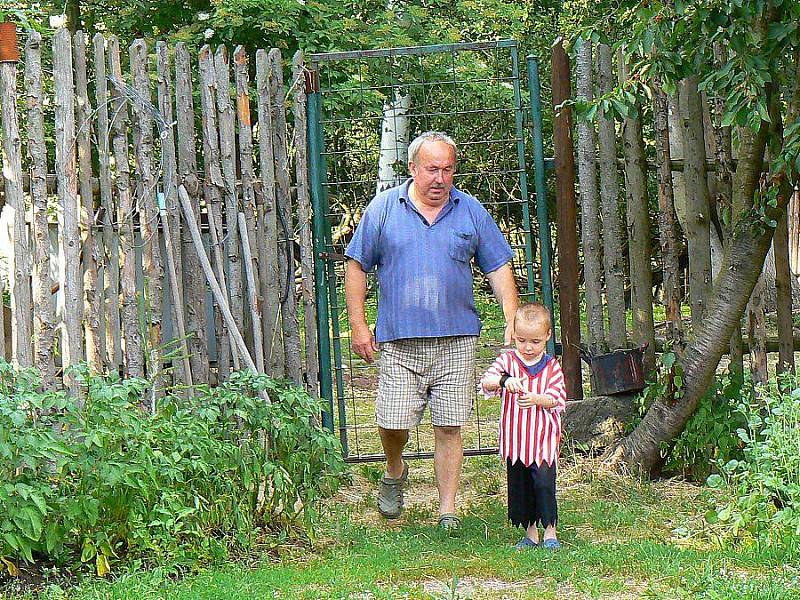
531	385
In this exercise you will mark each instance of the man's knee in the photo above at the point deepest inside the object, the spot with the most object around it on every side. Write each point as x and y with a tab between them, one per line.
448	433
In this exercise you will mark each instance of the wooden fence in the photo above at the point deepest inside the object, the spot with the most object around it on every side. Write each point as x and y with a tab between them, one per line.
686	158
128	135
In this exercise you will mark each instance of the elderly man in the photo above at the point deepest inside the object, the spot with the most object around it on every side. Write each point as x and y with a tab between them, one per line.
421	237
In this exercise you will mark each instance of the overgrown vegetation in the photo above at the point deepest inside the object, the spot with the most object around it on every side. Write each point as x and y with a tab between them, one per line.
765	481
93	483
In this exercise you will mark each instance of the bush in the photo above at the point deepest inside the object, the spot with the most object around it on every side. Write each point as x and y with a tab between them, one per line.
765	483
104	482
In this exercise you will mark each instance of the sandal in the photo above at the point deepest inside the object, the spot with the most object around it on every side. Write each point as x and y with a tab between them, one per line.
449	522
551	544
390	494
526	543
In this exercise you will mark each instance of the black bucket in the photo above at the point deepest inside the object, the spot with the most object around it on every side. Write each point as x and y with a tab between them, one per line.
617	372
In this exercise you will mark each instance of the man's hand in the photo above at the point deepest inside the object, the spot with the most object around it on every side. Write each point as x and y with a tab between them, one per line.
508	336
363	343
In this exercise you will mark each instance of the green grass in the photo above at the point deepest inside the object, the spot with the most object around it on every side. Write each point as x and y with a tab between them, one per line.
618	537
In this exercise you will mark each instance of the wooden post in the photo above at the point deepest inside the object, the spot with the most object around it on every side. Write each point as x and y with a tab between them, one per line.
567	228
613	230
194	284
212	185
152	267
134	353
590	214
669	229
43	314
171	216
304	222
93	299
268	272
291	329
757	333
697	202
250	212
72	350
113	343
19	268
639	247
227	152
21	300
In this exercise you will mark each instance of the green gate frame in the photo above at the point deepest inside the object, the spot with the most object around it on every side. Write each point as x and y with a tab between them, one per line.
324	269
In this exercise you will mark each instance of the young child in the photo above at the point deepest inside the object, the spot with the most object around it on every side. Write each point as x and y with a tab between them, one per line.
531	385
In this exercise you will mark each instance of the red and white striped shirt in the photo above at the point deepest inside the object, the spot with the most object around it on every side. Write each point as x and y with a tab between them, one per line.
530	434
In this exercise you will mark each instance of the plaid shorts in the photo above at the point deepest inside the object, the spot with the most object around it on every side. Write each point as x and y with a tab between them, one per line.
414	372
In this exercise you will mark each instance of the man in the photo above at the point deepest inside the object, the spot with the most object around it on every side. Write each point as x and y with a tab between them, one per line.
422	236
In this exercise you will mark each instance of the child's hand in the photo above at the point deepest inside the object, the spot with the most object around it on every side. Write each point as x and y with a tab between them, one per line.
490	383
515	385
530	399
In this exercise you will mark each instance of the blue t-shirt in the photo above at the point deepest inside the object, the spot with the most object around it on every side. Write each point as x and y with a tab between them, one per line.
424	269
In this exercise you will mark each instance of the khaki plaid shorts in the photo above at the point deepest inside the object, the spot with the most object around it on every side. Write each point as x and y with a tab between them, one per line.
415	372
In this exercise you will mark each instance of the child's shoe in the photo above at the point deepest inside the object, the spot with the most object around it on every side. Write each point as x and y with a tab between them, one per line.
551	544
526	543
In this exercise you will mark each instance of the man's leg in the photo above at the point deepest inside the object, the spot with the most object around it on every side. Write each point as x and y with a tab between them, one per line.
447	458
393	440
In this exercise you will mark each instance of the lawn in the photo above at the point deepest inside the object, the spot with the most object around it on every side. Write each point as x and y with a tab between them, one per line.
622	539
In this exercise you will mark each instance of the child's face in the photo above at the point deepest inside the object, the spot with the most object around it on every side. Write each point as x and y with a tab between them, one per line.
530	339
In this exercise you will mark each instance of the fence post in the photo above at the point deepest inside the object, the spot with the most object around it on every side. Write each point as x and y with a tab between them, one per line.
567	226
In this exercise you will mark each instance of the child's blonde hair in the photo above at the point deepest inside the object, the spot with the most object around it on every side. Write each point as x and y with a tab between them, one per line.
533	313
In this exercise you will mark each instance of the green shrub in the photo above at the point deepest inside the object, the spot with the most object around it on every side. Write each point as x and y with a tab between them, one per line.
765	483
103	481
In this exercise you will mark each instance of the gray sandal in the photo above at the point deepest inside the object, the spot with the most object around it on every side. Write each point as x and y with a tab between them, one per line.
390	494
449	522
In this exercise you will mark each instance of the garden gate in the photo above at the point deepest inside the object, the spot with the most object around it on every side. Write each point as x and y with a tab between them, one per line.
363	108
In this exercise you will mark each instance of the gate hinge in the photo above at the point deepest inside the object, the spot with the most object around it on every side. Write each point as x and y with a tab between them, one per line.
332	256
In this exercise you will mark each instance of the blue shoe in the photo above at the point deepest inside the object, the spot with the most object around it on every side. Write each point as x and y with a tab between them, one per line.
551	544
526	543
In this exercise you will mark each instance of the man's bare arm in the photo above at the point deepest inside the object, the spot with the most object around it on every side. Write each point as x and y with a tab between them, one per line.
355	291
505	290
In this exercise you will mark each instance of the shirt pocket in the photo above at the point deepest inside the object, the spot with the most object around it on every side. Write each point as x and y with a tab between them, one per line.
462	246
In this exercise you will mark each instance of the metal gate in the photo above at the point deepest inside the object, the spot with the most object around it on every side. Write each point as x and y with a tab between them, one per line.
473	92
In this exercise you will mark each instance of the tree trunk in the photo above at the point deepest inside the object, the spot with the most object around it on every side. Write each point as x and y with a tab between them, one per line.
194	284
669	229
43	314
613	229
394	141
639	246
668	416
590	217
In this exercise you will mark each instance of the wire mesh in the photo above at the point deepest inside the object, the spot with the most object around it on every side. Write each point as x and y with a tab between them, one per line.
471	92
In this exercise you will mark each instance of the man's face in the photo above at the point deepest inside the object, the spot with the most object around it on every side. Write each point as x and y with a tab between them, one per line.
433	172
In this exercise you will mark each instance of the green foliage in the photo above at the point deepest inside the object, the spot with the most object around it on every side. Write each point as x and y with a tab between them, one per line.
765	482
710	437
102	482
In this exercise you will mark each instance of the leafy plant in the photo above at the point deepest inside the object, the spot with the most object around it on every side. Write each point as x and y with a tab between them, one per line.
765	482
103	482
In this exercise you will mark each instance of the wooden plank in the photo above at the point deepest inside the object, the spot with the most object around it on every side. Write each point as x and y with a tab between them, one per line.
283	196
614	235
212	187
92	295
227	154
639	246
304	223
590	212
44	319
111	313
567	227
252	293
240	65
19	268
147	209
268	226
194	284
170	216
72	348
134	352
